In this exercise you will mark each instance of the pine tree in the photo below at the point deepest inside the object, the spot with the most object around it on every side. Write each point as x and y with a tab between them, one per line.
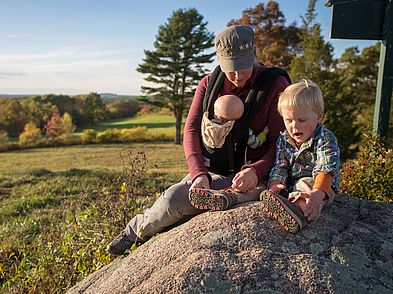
176	63
316	58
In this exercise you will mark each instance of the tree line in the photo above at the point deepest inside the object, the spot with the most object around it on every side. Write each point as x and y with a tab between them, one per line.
183	48
42	111
181	51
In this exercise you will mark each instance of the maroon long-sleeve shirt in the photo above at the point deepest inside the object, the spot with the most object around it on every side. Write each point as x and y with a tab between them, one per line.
262	158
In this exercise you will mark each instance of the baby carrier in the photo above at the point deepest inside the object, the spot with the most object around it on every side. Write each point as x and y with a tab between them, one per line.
232	155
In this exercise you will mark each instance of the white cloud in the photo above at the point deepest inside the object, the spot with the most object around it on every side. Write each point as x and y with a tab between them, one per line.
71	70
65	53
17	36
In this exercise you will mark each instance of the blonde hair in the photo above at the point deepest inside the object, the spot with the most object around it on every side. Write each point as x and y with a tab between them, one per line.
303	94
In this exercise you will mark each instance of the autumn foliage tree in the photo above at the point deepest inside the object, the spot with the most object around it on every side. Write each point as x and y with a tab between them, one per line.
31	134
276	44
176	63
59	128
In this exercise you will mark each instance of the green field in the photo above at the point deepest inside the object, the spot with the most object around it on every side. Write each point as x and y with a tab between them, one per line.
155	123
59	207
169	158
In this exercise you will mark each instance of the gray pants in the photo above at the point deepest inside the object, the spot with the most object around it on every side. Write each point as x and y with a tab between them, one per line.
173	208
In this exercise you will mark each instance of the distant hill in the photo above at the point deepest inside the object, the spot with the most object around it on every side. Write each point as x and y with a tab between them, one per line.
15	96
112	96
104	96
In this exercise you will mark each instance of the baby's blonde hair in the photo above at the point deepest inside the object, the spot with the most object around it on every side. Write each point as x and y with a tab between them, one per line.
303	94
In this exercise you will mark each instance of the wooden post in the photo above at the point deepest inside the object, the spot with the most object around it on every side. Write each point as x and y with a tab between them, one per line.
385	76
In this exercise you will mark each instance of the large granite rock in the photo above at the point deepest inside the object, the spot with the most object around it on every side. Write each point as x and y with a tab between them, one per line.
348	250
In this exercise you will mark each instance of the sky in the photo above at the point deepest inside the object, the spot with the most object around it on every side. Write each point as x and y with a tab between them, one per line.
81	46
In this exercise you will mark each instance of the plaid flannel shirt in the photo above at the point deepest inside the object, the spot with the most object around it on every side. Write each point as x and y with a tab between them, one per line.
318	154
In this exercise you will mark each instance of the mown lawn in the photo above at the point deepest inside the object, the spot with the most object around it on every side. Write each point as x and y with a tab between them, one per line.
168	156
59	207
155	123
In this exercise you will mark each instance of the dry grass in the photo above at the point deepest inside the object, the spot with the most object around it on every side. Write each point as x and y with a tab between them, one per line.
168	156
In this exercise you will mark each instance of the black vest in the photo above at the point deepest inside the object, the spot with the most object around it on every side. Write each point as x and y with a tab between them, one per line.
232	155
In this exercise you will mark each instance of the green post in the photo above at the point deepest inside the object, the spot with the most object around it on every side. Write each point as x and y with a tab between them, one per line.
385	76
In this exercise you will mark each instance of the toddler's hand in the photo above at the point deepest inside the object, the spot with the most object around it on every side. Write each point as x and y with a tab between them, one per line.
266	130
276	188
314	200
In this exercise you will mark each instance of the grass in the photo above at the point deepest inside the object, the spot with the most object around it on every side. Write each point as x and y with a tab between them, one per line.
156	124
59	207
90	157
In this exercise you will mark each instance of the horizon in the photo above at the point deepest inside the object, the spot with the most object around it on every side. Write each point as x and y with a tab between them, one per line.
2	95
71	47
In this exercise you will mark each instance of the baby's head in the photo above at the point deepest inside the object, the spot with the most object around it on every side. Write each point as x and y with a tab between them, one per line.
301	106
228	107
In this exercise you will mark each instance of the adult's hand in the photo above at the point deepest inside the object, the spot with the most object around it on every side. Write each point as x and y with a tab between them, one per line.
245	180
201	182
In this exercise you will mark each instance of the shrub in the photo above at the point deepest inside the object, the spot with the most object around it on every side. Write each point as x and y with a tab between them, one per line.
370	176
89	136
136	134
108	136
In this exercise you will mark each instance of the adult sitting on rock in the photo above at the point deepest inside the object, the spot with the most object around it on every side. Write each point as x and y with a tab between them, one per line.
232	165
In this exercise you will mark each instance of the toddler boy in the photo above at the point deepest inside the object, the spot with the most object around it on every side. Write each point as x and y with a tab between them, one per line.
307	160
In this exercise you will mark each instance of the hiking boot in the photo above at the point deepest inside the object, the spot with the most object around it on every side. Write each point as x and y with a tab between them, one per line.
120	244
284	211
209	199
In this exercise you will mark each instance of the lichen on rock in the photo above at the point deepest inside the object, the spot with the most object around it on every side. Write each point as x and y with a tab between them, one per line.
348	250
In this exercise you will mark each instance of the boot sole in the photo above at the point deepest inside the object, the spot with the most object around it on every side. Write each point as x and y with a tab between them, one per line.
275	208
206	200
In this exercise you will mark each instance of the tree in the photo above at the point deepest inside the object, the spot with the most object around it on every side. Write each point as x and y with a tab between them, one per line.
316	63
122	108
12	116
358	74
3	138
39	110
316	58
90	109
176	64
30	135
59	128
276	44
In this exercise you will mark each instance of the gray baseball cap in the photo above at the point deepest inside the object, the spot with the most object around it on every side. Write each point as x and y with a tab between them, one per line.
235	48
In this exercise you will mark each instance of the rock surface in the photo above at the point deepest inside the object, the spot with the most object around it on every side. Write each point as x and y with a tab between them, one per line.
348	250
